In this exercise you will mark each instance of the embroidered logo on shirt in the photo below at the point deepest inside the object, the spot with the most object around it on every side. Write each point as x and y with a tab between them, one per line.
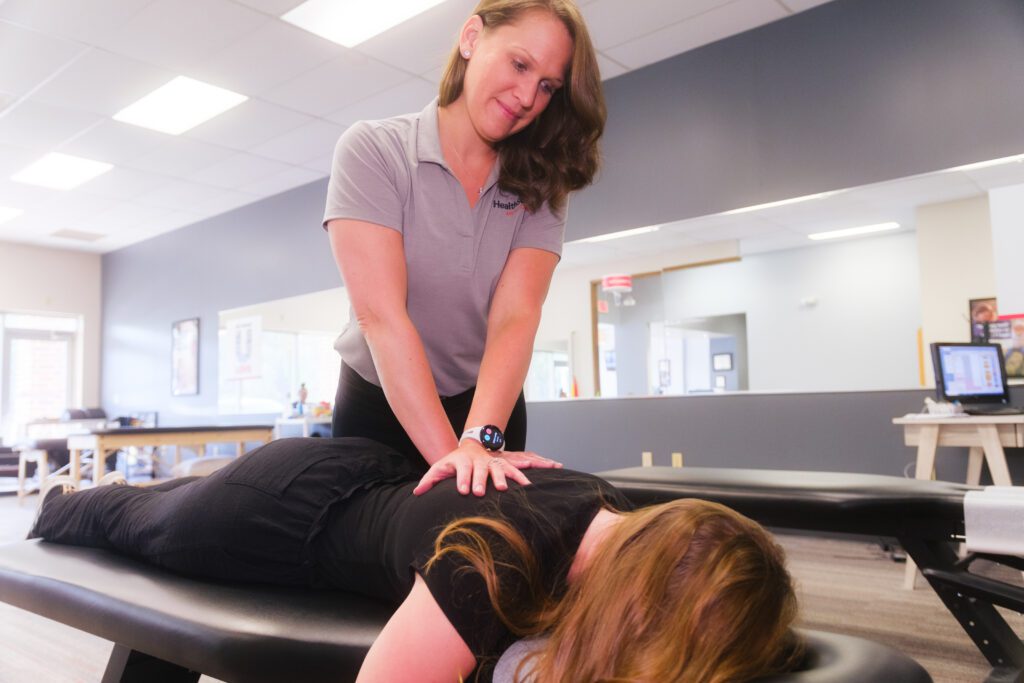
509	206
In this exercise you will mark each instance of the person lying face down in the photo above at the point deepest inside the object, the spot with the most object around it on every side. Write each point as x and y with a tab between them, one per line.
683	591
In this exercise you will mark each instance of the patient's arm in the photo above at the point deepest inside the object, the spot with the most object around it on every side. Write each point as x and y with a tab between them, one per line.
418	644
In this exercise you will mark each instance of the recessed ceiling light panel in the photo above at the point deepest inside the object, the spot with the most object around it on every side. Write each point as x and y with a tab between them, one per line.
850	232
7	213
61	171
180	105
620	234
352	22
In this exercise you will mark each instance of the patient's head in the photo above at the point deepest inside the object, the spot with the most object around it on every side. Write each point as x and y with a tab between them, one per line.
684	591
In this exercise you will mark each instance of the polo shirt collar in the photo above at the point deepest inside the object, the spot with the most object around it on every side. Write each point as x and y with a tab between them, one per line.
428	144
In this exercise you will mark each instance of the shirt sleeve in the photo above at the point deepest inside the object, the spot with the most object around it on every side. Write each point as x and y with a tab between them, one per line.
543	229
364	179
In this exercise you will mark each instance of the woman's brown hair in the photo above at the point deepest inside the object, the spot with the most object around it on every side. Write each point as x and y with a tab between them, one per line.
688	591
558	152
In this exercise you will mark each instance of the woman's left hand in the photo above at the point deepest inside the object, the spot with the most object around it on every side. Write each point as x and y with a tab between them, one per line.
471	462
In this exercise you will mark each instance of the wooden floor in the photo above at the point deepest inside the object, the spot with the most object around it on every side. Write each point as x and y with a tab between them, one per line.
845	587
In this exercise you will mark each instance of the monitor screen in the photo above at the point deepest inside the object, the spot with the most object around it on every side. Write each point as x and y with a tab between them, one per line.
970	373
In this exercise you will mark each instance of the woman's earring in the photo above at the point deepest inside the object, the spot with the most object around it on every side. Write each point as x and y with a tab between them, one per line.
465	53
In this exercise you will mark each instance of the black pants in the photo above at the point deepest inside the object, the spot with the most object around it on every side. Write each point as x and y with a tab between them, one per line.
361	409
254	520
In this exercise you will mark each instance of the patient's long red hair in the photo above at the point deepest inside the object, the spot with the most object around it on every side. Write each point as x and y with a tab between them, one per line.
687	591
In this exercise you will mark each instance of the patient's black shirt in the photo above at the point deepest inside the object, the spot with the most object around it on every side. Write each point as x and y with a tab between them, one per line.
375	541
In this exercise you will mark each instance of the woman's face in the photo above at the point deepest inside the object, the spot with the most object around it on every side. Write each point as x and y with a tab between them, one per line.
513	71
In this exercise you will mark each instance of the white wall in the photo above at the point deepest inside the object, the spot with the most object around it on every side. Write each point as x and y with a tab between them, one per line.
1006	205
956	265
566	314
54	281
860	335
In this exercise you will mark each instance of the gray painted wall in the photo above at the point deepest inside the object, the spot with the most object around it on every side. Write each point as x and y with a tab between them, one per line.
852	92
838	432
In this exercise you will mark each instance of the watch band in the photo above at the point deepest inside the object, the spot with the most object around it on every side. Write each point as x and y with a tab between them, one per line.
489	436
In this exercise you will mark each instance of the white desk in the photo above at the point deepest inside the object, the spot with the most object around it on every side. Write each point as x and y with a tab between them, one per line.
984	436
102	442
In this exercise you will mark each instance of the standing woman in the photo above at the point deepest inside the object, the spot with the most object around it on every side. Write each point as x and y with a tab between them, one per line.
447	225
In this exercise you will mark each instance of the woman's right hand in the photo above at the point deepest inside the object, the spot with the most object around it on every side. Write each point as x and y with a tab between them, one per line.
472	465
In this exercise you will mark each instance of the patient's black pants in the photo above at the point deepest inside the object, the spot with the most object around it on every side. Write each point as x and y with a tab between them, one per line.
361	409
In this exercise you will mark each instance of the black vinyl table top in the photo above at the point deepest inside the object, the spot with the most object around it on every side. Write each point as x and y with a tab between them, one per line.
841	502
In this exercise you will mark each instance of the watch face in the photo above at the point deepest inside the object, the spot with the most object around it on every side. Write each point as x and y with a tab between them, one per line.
492	438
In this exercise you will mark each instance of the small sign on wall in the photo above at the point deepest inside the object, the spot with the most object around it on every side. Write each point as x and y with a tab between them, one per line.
185	357
243	339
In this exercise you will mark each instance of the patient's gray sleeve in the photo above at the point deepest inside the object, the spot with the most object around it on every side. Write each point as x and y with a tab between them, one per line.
505	669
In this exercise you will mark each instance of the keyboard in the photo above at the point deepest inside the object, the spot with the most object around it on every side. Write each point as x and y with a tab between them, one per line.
993	410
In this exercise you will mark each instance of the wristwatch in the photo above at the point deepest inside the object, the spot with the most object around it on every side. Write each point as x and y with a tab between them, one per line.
488	435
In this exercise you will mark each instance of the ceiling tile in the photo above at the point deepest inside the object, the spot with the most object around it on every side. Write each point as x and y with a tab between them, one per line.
179	157
927	189
423	42
272	7
801	5
77	204
609	67
716	24
114	142
28	198
180	34
13	159
226	200
237	170
179	195
302	144
34	124
87	83
409	97
87	22
274	53
123	183
29	58
776	241
613	22
281	182
997	176
352	77
321	165
247	125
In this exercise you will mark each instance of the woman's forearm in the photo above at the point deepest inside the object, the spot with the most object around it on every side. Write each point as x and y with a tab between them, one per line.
408	384
506	361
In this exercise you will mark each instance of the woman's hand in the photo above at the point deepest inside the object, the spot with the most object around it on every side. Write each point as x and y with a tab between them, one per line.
471	463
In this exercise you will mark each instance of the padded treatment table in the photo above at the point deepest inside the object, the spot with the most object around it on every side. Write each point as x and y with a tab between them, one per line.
927	517
167	628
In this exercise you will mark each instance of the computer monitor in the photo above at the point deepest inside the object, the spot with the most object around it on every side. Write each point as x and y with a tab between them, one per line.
970	374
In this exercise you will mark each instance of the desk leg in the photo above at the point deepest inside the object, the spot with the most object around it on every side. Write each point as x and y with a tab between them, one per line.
926	446
99	465
76	466
994	455
975	458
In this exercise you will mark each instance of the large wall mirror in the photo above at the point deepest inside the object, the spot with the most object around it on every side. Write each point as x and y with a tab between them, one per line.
268	352
847	311
771	311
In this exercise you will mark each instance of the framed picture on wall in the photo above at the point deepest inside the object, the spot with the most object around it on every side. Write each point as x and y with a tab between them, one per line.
185	357
721	362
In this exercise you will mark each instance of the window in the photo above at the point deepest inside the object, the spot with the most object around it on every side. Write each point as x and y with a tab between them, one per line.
37	372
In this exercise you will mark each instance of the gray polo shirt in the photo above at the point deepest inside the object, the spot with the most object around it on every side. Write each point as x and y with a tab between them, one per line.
392	173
